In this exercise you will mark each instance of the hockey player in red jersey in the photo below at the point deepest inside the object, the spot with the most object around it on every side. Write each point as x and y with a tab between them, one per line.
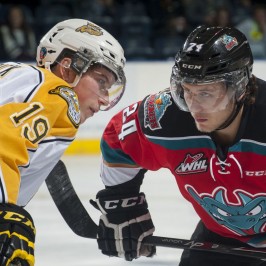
209	130
79	71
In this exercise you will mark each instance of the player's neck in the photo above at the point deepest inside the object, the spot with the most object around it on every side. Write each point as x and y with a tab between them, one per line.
227	135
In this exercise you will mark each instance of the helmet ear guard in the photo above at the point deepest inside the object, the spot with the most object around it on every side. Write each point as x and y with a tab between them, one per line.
80	63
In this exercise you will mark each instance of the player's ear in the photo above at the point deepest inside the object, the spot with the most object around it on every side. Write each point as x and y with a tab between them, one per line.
65	69
240	98
66	62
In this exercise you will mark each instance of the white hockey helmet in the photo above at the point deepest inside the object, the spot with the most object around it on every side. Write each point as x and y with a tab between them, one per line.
86	43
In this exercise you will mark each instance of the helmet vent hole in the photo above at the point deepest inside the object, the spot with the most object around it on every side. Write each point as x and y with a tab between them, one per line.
223	65
51	51
215	55
107	53
53	35
212	69
192	55
109	42
216	69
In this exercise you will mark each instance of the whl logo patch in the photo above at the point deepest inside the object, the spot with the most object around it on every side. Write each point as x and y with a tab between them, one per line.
192	164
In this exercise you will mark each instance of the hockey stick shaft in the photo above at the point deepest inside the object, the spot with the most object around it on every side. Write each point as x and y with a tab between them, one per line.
80	222
205	247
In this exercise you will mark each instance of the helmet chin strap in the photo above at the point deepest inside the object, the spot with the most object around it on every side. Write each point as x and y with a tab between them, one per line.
232	117
47	65
76	81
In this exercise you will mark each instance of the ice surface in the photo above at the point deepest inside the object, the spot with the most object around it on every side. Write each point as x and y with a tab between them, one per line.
57	245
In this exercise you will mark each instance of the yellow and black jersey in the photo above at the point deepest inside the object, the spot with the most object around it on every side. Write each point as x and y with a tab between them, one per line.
39	116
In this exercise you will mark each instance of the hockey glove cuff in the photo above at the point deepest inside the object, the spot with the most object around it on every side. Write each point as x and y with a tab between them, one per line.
124	222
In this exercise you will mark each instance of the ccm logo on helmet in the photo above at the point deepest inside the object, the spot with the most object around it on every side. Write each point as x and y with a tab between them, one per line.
124	203
191	66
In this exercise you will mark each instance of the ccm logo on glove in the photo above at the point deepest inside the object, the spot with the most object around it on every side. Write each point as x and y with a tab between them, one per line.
111	204
16	217
124	203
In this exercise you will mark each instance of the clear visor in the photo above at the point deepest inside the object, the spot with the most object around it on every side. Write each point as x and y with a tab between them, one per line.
110	92
209	95
111	86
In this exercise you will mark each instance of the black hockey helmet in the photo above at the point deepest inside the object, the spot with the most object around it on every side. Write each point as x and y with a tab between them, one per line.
212	54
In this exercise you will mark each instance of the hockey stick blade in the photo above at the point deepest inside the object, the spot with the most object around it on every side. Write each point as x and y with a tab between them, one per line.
80	222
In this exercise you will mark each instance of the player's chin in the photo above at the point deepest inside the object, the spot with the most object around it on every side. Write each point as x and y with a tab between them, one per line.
204	128
83	118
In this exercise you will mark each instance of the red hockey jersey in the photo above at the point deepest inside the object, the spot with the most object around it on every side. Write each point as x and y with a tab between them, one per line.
225	185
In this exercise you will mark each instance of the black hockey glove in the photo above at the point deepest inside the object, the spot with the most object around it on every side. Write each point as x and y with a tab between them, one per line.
124	222
17	236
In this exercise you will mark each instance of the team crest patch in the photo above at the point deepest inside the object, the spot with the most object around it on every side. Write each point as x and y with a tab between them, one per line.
239	211
90	28
72	100
229	41
154	109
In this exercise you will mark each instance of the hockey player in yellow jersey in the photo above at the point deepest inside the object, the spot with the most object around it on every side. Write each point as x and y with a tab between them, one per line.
79	72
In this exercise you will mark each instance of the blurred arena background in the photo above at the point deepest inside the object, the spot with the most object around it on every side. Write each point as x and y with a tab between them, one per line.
150	31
